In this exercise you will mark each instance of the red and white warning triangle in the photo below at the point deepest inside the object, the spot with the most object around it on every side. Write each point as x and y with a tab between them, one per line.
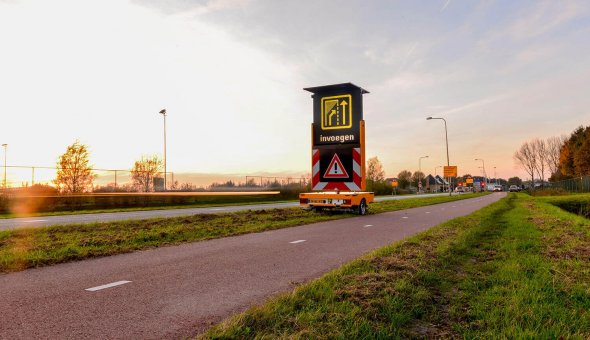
336	169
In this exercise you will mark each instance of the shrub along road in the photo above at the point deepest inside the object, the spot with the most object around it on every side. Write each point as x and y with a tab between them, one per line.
182	290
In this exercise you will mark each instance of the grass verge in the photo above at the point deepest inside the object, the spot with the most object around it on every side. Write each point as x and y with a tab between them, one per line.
204	204
163	207
34	247
576	203
517	269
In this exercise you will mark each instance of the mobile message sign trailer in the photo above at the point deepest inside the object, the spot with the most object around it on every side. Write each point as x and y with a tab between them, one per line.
337	150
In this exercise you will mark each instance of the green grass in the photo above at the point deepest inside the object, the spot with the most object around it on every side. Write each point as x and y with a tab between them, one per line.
576	203
34	247
516	269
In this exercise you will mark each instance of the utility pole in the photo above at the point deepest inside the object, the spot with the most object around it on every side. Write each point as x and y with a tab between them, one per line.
419	184
163	113
485	175
447	144
5	148
495	176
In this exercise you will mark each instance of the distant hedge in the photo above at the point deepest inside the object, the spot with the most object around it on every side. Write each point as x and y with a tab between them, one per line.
33	204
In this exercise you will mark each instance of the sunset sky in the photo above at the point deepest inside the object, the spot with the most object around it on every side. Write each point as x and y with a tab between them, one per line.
231	73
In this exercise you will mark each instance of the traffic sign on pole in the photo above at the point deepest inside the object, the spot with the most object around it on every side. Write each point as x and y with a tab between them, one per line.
450	171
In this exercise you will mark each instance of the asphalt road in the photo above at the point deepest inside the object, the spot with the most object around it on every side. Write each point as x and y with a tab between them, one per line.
179	291
43	221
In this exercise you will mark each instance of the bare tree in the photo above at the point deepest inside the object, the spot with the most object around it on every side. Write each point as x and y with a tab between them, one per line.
144	171
525	157
74	173
540	149
554	145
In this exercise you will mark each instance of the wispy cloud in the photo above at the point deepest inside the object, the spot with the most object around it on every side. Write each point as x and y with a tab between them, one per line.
546	17
476	104
445	5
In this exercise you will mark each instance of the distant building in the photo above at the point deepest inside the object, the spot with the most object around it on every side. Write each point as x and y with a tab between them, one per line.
436	183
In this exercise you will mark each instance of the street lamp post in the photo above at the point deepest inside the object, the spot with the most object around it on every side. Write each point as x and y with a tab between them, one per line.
5	147
483	164
420	163
447	145
420	170
163	113
495	176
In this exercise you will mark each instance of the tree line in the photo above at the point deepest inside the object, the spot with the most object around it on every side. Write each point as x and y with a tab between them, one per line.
74	171
556	158
406	179
74	174
376	178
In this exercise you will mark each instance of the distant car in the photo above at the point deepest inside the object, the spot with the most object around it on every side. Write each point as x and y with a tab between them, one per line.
497	188
459	189
514	188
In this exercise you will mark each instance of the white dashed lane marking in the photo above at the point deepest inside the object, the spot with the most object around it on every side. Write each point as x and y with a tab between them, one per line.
298	241
109	285
367	225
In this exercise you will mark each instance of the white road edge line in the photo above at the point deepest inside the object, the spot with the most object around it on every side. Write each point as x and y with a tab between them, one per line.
109	285
298	241
33	221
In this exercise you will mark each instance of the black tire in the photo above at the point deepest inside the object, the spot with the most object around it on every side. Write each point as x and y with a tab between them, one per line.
362	208
318	209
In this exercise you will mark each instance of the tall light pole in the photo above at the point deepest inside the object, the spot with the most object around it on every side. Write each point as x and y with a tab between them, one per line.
447	144
483	164
495	176
163	113
419	184
420	163
436	167
5	147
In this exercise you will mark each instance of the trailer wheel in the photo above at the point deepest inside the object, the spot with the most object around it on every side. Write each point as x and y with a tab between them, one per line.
362	208
318	209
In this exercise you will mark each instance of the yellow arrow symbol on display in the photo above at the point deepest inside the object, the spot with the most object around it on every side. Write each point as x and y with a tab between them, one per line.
344	103
333	112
